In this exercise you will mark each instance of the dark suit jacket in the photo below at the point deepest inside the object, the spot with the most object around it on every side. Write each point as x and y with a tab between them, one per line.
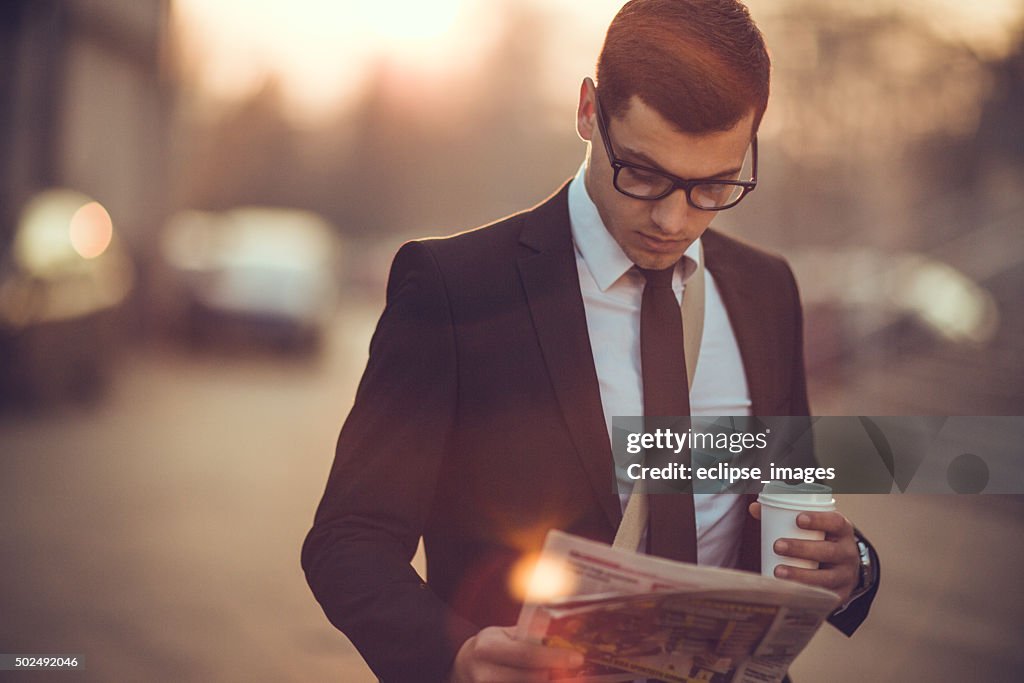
478	425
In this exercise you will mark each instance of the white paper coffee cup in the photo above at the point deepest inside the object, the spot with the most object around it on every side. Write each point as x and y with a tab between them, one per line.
780	505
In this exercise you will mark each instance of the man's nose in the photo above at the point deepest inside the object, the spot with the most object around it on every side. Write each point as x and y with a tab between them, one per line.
673	213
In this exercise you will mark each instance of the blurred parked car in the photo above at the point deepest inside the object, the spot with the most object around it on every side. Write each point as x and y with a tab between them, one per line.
62	285
252	277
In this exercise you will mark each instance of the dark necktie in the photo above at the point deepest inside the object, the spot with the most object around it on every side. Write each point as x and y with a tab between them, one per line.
672	529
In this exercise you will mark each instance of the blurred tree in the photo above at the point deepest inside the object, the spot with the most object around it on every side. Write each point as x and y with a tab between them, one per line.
437	157
973	178
513	156
413	155
247	156
388	144
995	153
854	93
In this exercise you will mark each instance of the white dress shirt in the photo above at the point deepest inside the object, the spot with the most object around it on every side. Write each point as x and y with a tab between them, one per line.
612	293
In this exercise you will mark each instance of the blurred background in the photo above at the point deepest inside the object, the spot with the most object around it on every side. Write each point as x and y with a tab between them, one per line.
199	202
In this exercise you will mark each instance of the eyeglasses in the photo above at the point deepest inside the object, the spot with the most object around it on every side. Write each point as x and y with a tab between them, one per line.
643	182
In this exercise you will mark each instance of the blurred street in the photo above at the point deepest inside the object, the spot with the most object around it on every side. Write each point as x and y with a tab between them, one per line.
158	535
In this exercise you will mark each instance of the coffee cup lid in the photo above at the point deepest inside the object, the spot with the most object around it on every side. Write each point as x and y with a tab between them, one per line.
804	494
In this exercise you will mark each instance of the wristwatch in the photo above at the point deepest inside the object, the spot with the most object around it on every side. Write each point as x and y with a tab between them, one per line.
868	571
867	577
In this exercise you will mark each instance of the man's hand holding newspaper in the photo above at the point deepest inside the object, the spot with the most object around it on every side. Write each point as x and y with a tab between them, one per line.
632	616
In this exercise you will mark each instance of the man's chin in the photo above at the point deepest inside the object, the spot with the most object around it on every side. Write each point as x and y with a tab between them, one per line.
649	261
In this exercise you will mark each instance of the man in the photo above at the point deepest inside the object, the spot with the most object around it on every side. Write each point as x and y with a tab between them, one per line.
483	417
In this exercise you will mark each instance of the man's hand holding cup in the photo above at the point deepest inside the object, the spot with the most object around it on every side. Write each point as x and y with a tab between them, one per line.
804	539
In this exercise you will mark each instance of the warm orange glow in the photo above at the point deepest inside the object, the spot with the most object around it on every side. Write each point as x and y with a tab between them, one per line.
536	580
322	50
91	230
325	53
405	22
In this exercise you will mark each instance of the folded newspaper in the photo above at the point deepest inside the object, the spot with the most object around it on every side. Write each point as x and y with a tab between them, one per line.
636	616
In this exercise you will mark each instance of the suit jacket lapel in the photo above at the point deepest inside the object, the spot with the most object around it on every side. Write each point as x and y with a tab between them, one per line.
739	294
548	272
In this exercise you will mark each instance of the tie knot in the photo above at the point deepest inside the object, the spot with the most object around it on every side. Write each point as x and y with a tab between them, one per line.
658	278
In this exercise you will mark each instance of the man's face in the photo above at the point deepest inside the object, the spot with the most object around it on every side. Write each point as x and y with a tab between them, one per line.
654	234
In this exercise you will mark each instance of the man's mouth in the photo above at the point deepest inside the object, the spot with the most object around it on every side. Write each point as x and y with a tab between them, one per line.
660	245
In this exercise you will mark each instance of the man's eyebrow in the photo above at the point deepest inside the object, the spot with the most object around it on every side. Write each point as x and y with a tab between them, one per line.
645	160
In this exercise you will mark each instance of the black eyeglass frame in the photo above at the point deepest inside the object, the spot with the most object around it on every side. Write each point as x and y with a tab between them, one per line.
677	182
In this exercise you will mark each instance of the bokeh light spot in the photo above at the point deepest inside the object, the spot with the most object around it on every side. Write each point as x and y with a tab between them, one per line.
91	230
535	579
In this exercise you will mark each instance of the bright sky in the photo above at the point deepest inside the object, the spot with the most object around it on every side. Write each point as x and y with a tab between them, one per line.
322	49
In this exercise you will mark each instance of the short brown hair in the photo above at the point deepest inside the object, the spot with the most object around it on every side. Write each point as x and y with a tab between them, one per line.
701	64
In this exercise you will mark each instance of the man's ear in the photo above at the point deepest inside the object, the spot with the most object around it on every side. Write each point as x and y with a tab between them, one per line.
586	112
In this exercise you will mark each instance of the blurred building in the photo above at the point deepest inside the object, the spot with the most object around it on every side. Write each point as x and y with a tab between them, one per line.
85	104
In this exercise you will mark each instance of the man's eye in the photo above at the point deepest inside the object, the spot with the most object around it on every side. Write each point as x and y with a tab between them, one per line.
645	177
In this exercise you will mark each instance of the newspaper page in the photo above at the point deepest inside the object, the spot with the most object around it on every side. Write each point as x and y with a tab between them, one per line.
633	616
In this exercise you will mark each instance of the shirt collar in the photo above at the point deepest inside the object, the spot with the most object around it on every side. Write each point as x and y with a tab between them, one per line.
604	257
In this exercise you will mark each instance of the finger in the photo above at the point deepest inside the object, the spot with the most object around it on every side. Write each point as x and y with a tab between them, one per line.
542	657
499	673
839	580
828	552
755	510
834	579
529	656
831	523
498	647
